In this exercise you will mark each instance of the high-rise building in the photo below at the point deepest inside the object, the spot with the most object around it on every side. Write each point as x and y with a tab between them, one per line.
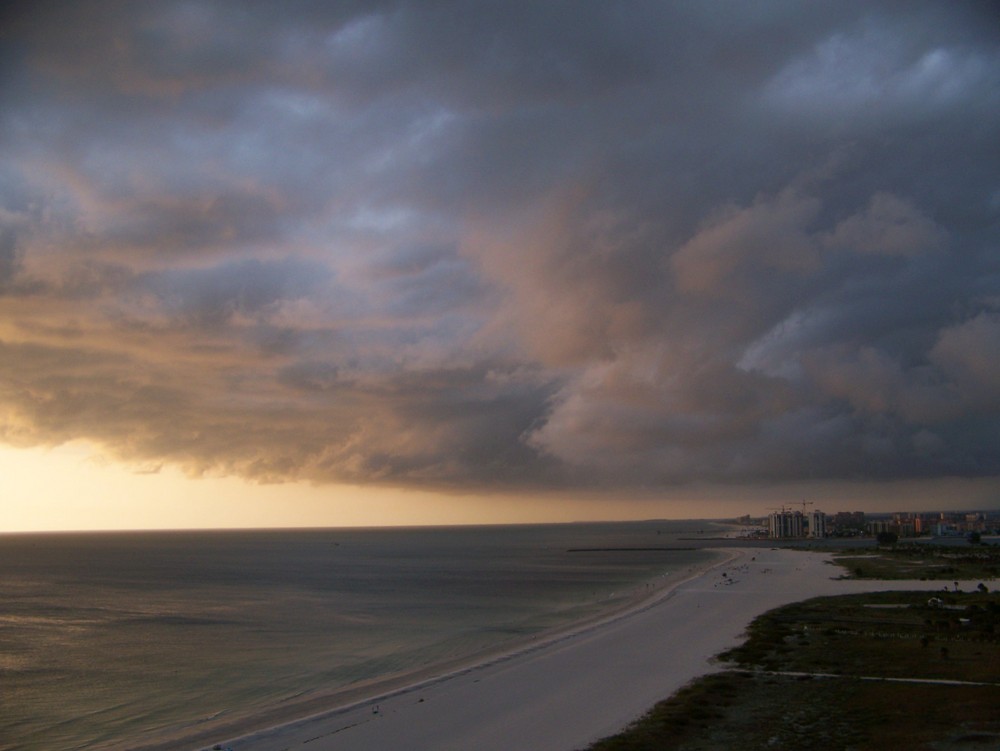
816	521
786	524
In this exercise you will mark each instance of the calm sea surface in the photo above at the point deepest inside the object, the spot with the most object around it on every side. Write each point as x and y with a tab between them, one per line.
108	640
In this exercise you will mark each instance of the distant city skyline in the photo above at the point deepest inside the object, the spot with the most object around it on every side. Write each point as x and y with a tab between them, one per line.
378	263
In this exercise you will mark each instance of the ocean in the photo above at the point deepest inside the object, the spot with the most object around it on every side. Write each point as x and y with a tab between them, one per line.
112	640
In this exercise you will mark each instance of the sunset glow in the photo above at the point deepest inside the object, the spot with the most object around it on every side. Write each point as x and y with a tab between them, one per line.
391	263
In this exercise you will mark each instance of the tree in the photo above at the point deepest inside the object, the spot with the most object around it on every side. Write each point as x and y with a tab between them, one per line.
975	538
887	538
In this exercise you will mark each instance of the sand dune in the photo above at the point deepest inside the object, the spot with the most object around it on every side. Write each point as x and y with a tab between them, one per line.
583	685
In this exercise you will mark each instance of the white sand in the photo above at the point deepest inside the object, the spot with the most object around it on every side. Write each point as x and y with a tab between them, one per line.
585	685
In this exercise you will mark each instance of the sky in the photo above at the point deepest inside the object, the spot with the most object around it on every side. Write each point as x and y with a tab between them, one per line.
304	263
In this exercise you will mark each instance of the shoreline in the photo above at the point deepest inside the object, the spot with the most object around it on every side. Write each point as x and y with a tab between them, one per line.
241	729
568	691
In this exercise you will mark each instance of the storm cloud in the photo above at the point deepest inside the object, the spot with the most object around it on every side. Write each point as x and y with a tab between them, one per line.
505	245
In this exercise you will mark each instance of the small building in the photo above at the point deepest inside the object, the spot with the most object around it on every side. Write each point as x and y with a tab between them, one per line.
878	526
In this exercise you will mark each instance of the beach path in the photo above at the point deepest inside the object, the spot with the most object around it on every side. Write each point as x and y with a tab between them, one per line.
584	685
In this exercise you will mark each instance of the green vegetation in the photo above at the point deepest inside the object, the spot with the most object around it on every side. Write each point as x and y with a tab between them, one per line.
887	538
763	712
902	635
886	634
923	562
691	713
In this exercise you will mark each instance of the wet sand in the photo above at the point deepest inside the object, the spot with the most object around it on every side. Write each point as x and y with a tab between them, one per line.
315	704
584	684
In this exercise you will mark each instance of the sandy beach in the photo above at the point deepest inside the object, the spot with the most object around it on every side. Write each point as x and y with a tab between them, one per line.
584	684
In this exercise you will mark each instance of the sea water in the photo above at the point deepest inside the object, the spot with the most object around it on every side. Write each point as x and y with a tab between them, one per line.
108	640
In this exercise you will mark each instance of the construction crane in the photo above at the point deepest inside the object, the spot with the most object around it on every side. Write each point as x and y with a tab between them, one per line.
804	504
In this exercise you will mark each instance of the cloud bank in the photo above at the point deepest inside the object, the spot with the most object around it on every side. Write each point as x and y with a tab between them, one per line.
505	245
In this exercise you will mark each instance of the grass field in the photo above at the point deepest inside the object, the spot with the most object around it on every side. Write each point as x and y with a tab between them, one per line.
923	562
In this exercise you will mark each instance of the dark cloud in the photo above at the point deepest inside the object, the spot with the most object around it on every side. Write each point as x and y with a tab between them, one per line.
215	296
474	245
8	256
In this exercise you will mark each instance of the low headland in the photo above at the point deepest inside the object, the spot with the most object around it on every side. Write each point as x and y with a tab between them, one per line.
879	670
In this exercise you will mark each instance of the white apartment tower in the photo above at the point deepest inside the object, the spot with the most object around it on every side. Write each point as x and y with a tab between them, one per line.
786	524
816	521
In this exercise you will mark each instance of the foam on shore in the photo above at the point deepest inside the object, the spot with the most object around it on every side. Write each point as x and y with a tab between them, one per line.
584	684
306	711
